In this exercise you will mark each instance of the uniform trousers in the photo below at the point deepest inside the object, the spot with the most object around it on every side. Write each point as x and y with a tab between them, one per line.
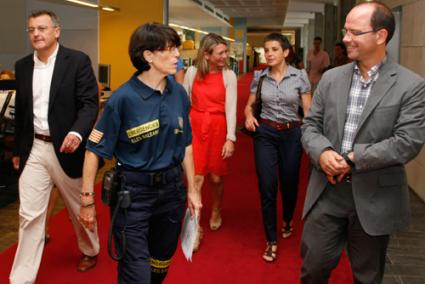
151	226
42	170
333	225
277	161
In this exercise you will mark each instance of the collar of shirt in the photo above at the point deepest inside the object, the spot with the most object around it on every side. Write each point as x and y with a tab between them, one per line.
373	73
39	64
291	71
145	91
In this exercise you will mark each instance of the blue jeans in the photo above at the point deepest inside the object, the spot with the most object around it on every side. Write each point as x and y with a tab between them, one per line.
277	161
152	226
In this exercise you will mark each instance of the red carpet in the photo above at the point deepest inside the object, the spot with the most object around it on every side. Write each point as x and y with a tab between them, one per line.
230	255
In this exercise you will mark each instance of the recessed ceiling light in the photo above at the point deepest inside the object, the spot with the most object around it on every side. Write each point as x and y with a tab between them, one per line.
84	3
109	9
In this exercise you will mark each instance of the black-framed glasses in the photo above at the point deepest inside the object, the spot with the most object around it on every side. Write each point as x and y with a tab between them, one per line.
169	48
356	33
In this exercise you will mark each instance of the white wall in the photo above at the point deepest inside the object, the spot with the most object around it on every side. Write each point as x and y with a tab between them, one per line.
412	55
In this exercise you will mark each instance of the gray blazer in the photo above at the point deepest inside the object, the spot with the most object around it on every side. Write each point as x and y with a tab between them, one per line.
391	132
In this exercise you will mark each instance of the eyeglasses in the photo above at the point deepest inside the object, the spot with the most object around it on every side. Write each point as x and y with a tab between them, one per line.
355	33
41	29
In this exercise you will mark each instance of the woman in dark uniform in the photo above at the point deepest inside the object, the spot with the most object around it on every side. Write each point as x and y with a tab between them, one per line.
277	136
145	126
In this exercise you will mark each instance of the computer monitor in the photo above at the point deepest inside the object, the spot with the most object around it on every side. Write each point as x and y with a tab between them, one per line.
105	75
7	84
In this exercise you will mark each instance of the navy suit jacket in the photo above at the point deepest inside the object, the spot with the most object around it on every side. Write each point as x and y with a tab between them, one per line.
73	106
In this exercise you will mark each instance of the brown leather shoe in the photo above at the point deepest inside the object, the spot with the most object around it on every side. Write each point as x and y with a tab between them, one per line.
86	263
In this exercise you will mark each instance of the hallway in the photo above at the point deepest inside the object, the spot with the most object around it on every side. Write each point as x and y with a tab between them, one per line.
405	260
231	255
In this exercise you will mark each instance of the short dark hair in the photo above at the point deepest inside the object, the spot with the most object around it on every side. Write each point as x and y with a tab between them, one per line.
52	15
317	38
382	18
283	40
150	36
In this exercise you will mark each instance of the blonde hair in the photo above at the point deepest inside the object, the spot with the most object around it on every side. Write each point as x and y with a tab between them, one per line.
207	45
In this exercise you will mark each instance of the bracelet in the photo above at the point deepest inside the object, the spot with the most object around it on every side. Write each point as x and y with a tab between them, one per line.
87	205
87	193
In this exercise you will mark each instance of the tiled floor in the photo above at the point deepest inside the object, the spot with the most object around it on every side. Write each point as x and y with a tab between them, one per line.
406	252
405	258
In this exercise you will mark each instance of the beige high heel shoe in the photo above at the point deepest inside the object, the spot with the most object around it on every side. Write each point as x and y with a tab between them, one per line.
215	223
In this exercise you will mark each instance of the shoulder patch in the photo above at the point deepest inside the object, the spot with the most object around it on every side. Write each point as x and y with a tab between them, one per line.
95	136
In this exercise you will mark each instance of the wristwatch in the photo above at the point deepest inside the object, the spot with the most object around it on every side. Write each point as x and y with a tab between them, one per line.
348	160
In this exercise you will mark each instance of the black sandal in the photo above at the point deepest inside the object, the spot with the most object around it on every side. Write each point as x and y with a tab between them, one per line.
270	253
287	230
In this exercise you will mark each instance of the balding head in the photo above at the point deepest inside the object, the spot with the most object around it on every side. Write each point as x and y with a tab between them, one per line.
381	17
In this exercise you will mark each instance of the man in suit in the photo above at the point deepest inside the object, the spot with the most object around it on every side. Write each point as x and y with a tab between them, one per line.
56	107
366	121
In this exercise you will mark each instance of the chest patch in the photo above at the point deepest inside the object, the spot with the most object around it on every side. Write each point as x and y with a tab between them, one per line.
143	131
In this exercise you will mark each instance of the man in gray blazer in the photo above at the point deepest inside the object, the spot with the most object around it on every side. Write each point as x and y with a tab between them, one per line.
366	121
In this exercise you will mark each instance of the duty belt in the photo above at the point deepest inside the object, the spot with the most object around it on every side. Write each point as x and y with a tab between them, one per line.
154	178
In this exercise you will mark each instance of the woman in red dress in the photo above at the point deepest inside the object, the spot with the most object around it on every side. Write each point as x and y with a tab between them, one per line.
212	88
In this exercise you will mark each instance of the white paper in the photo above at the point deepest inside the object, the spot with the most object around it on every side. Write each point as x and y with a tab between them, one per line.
188	234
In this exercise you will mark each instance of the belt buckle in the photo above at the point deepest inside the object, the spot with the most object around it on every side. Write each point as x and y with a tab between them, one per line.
288	124
156	178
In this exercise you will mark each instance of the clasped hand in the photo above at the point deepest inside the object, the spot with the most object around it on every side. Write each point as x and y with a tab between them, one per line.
334	166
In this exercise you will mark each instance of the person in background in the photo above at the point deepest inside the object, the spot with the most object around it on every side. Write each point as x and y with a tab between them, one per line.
145	125
179	76
341	56
277	134
367	120
317	63
7	75
212	88
294	60
56	107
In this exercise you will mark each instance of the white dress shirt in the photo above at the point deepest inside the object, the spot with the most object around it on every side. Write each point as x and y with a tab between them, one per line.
41	82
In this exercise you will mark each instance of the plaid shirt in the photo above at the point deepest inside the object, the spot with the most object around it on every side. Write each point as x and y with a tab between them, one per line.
359	92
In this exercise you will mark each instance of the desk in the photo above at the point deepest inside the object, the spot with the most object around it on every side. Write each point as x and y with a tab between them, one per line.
10	108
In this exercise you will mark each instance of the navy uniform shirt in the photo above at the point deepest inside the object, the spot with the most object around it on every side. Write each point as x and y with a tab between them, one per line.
145	130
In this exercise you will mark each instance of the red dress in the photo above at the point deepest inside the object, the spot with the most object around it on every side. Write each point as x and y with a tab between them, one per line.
209	126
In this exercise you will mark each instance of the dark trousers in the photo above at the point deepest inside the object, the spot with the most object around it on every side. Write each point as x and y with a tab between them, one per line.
151	227
333	225
277	161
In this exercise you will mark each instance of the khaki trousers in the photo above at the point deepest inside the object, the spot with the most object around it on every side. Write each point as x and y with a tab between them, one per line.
41	172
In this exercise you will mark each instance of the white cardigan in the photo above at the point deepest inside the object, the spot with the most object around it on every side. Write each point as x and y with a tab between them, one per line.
230	83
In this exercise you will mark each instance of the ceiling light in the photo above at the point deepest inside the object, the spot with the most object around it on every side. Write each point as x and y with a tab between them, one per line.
196	30
84	3
109	9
